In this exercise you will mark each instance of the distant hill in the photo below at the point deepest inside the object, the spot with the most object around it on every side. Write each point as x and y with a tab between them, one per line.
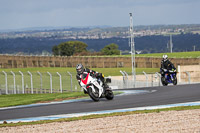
147	44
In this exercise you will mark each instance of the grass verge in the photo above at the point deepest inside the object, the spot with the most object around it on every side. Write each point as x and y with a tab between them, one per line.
24	99
100	116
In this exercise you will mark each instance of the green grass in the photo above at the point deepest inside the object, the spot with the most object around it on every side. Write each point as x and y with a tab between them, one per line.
61	70
99	116
24	99
194	54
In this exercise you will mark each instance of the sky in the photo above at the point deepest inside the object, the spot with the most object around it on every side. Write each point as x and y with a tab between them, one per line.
18	14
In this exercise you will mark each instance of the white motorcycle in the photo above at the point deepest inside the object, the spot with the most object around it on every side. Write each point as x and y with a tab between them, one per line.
94	87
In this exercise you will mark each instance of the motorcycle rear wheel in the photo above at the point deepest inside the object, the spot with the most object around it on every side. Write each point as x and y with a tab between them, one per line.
94	95
109	95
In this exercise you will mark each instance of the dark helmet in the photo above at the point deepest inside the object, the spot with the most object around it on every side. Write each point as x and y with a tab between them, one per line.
79	68
165	58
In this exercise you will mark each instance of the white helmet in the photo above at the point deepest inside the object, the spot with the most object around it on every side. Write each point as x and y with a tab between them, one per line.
165	57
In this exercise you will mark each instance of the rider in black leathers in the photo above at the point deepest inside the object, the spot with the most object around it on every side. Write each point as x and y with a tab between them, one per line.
80	69
166	65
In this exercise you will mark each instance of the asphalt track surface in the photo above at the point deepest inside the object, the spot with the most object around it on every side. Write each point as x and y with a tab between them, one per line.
158	96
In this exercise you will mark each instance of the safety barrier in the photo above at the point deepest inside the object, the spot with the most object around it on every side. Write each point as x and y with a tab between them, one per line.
147	80
46	82
37	82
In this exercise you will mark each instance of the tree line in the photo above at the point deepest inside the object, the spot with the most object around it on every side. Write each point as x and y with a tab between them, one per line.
70	48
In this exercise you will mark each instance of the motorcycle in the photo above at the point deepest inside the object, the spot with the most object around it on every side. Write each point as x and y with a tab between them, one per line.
169	77
94	87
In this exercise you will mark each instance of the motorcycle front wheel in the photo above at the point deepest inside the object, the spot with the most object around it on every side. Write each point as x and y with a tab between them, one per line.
164	82
175	81
93	95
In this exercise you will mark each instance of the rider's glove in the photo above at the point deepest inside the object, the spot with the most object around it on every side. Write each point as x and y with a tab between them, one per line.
92	74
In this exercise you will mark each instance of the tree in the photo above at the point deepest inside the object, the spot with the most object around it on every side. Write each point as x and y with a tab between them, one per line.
55	50
69	48
78	46
111	49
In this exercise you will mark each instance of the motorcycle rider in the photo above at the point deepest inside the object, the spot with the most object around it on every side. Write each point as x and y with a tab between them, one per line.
80	69
166	65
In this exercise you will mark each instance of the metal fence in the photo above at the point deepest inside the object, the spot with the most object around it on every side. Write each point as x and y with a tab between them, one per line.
55	82
37	82
148	80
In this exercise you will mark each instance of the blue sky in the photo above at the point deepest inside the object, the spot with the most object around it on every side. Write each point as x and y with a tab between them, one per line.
17	14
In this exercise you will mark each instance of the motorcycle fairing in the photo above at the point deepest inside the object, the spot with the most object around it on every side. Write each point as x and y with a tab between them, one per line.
85	80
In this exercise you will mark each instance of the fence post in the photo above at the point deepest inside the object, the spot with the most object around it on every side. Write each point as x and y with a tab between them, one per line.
60	82
159	80
50	81
124	81
31	81
151	80
40	82
126	74
70	78
188	74
179	71
126	78
146	78
22	81
14	88
6	81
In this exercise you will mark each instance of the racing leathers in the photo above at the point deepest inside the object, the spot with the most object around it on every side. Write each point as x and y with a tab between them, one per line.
165	66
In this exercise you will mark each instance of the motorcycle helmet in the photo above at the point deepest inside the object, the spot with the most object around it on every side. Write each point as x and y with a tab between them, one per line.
79	68
165	58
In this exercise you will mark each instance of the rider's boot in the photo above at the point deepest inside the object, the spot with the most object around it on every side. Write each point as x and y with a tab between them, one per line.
85	92
106	86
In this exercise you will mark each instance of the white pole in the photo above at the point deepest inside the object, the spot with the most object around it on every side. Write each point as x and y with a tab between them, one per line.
40	81
31	81
60	82
159	80
171	44
14	88
50	81
179	71
146	79
6	81
132	48
22	81
70	79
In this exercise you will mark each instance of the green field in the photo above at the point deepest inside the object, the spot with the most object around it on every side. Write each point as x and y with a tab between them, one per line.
195	54
61	70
